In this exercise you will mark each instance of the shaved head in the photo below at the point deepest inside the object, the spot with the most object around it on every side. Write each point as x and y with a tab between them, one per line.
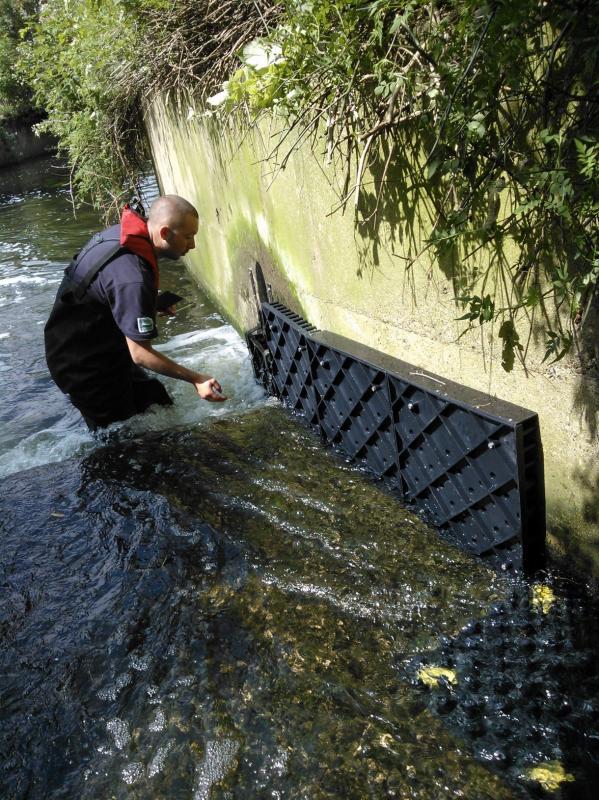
170	209
172	225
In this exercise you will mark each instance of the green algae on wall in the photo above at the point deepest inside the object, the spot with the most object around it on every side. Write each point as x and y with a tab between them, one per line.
354	281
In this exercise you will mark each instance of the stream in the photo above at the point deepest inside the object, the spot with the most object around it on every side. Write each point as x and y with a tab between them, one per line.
205	603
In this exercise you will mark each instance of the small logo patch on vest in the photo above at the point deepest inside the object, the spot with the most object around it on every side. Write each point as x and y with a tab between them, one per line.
145	324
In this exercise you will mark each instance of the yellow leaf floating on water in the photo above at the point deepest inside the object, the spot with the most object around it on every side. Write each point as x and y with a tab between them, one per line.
430	675
542	597
550	775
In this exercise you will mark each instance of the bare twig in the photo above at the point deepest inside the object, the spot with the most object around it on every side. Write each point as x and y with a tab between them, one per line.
361	169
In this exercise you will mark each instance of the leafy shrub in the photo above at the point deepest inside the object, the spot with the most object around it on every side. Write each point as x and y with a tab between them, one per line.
75	58
494	108
486	110
15	98
93	64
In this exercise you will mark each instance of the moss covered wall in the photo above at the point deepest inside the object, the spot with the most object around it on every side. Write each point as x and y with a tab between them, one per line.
355	282
19	143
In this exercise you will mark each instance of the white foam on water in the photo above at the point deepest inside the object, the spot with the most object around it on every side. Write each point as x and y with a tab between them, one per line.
39	280
132	772
13	200
111	692
184	340
219	352
275	764
119	730
46	446
159	721
156	765
11	247
140	663
217	762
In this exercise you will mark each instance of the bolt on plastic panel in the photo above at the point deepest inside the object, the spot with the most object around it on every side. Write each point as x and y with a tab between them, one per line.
472	464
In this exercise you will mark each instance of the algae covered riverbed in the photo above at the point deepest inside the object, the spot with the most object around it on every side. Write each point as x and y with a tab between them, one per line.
208	604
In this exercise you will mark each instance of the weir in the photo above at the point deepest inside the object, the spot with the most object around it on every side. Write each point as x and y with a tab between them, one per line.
470	463
352	281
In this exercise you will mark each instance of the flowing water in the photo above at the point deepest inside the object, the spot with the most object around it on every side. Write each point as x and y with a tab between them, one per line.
204	603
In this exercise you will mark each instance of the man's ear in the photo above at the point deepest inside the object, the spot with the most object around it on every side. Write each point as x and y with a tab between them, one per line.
165	233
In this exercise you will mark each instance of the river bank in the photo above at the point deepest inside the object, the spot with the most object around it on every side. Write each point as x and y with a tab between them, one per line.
19	142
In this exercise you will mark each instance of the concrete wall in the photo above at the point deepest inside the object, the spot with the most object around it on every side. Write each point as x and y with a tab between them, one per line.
354	281
19	143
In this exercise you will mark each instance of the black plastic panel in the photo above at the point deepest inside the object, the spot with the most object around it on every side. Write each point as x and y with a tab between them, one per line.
471	463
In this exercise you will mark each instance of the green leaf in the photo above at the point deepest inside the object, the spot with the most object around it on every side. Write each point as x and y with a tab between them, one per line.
529	205
532	297
260	55
558	345
433	167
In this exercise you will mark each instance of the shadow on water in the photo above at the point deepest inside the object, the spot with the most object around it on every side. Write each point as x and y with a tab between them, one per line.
230	612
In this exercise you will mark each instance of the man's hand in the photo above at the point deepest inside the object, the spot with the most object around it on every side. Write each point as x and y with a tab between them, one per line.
144	355
210	389
168	312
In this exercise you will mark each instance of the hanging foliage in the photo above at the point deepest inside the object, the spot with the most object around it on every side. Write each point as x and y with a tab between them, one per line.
486	110
494	107
92	64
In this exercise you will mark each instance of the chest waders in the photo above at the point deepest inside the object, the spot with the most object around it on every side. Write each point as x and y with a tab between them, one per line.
86	352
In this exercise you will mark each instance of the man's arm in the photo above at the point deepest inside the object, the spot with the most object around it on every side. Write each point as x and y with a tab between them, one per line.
144	355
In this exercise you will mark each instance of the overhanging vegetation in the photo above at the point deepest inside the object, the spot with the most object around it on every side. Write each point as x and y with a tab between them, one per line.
491	107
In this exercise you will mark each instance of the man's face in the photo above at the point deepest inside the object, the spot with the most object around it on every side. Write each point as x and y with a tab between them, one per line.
179	239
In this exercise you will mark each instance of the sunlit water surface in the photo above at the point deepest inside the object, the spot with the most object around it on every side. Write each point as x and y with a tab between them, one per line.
204	603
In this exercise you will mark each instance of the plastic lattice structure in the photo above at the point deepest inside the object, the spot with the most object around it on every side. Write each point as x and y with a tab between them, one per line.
471	463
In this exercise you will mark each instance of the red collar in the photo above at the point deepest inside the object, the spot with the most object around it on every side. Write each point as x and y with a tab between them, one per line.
135	237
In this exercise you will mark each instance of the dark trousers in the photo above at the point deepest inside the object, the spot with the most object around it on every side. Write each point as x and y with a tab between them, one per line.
138	392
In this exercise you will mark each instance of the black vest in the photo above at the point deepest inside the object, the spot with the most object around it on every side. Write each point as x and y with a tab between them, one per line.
86	352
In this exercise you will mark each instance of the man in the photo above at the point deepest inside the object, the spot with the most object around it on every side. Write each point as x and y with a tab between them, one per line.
104	318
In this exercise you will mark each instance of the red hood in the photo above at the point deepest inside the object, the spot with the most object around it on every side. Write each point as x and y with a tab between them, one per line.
135	237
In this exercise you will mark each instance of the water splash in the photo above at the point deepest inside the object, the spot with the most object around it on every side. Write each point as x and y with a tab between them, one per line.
217	762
